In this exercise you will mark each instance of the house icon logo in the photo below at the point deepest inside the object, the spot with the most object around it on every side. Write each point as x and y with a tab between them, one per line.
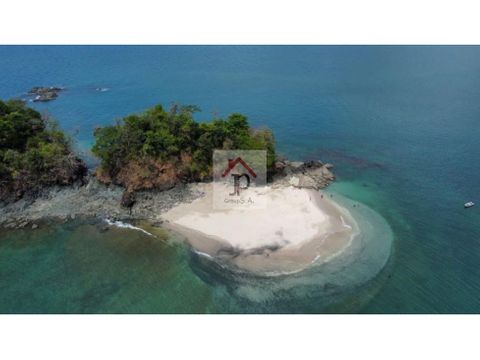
246	172
232	163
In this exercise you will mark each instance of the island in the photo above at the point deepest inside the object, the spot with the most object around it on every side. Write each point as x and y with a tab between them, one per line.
156	167
44	93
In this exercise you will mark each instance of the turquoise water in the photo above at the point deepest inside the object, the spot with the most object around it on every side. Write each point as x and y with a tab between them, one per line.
88	267
401	124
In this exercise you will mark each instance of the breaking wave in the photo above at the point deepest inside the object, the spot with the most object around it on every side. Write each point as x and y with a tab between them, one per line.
123	225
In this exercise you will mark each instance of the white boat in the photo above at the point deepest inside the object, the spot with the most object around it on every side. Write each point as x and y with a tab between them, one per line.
469	204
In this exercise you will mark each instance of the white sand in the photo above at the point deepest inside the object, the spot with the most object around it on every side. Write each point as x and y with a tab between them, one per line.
290	217
294	228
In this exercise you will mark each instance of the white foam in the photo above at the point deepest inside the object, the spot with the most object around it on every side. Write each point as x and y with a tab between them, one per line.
345	225
203	254
126	226
315	259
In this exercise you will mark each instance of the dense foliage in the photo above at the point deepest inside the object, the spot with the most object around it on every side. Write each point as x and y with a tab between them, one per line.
174	137
33	152
155	149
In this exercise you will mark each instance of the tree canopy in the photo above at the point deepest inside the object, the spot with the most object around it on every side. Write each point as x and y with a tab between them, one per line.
155	149
174	136
33	151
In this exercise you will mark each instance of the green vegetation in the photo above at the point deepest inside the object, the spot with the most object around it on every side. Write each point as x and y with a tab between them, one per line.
155	149
172	137
33	152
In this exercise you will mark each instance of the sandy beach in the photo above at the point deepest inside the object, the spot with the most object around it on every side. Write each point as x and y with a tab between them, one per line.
294	228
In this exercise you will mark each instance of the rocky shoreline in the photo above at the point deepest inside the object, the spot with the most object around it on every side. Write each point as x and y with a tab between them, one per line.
93	199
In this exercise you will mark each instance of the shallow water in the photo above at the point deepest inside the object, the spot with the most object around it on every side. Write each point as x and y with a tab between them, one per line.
113	267
80	268
400	124
341	284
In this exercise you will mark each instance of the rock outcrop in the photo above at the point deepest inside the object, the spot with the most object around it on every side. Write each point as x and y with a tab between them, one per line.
91	200
44	94
101	198
309	175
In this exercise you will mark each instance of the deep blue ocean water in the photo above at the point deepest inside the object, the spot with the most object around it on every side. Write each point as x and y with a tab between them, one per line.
401	124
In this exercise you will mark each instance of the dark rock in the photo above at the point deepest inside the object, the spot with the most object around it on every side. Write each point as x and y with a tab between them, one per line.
297	165
10	225
312	164
22	224
279	166
157	223
38	90
128	199
43	94
311	174
104	228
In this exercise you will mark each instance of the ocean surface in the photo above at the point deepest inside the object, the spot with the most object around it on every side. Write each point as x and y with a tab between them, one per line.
401	124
